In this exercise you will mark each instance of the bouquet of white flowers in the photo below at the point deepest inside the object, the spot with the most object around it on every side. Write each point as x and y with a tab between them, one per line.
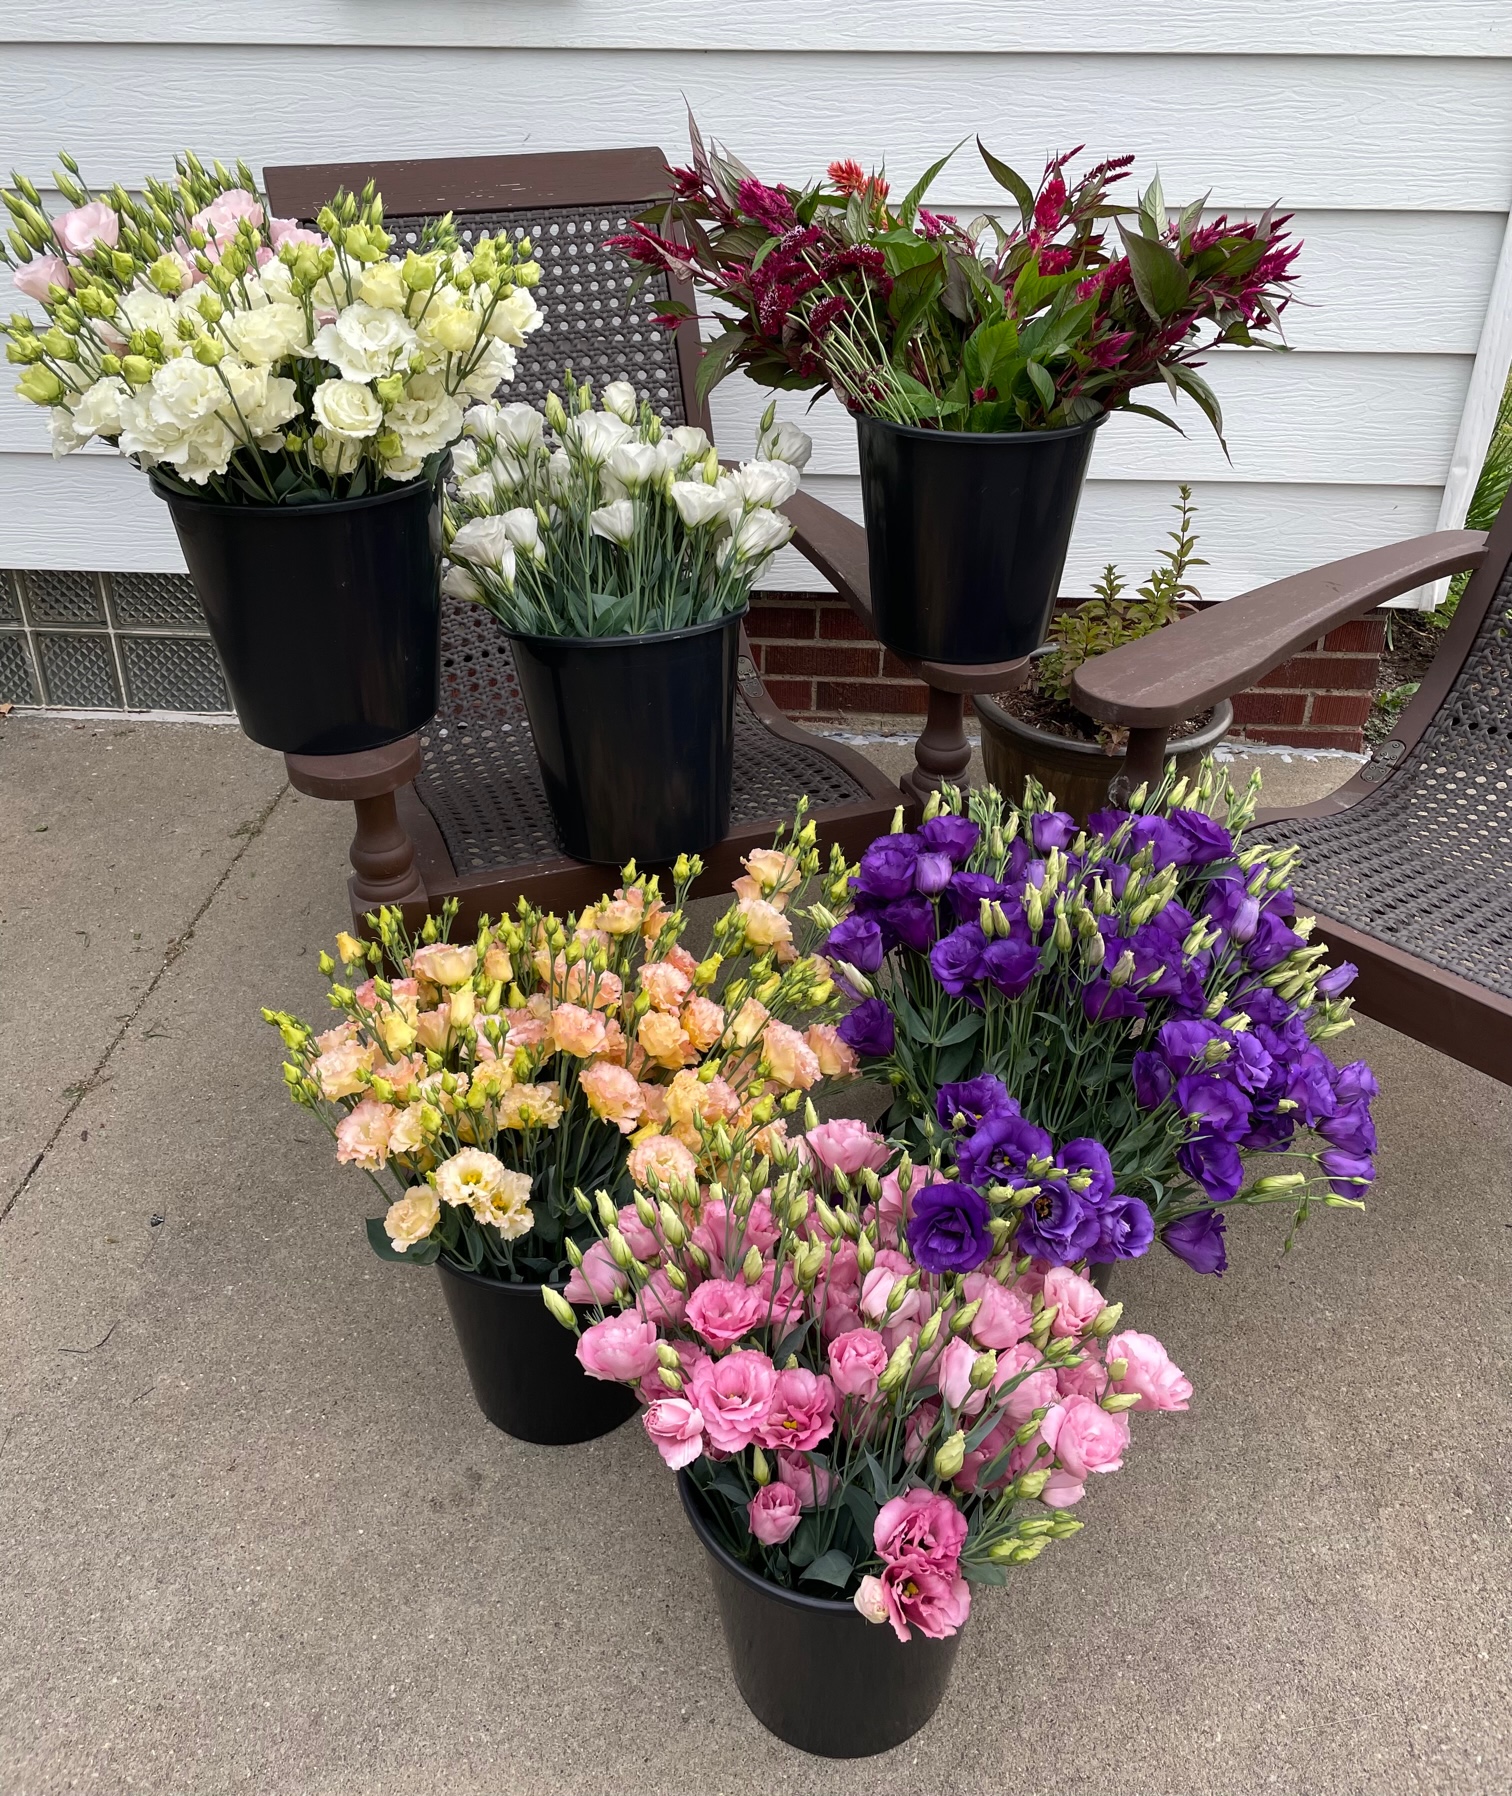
237	354
571	521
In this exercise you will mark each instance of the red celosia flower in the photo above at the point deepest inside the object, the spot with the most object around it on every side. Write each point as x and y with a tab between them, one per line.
848	175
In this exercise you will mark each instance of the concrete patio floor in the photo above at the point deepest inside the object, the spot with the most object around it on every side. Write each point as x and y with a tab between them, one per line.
256	1534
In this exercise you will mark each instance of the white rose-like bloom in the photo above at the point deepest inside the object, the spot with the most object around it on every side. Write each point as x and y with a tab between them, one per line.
465	458
482	421
205	450
144	309
425	426
334	455
365	341
515	317
759	533
276	280
619	398
766	482
786	442
523	529
697	504
507	1207
185	391
459	583
66	435
691	443
452	329
519	427
481	541
633	464
267	333
597	435
348	409
493	367
383	285
559	474
478	486
616	523
97	411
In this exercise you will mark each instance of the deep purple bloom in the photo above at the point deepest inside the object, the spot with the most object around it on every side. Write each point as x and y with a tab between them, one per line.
967	890
947	1231
909	920
1214	1164
1106	823
1338	979
1000	1148
1350	1129
1127	1229
1183	1042
887	868
1058	1224
1218	1103
1200	839
1052	829
1153	1079
1271	943
1084	1155
956	959
1310	1085
1231	907
955	836
1248	1063
869	1028
932	873
1198	1239
1102	1001
1009	965
1345	1170
1156	834
858	939
974	1098
1355	1082
1269	1128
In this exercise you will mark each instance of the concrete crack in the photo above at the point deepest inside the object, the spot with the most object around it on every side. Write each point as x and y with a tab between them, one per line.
248	832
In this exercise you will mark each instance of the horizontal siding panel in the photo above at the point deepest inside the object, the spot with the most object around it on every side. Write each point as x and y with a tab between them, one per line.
1413	133
1335	27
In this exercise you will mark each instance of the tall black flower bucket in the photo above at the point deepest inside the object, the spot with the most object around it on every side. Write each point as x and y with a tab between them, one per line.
635	736
522	1364
326	617
966	535
813	1671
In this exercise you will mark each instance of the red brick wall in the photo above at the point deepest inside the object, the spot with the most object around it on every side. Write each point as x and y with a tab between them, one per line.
821	666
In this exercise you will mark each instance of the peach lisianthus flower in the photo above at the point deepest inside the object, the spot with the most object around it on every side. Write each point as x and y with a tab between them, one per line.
493	1078
659	1161
703	1022
408	1133
749	1022
362	1135
608	989
664	984
663	1038
432	1028
775	873
505	1205
341	1069
793	1062
531	1107
468	1175
764	924
614	1043
623	914
837	1059
689	1099
412	1217
577	1031
613	1094
679	957
444	963
654	1097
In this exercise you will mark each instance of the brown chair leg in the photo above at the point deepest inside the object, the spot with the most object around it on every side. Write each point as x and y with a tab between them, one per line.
942	752
384	870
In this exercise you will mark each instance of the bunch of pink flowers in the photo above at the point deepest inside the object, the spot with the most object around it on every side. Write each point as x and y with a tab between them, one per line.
854	1423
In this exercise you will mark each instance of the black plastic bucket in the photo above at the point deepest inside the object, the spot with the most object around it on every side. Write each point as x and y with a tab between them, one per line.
635	736
813	1671
326	617
966	535
522	1364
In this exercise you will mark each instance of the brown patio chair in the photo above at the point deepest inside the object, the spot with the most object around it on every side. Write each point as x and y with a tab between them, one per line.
1406	865
459	810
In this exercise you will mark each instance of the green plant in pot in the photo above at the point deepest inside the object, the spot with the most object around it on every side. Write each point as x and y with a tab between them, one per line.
619	557
1035	732
978	359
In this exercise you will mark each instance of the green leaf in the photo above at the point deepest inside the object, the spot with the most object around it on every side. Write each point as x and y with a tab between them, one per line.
1193	384
985	1573
715	364
910	207
805	1542
1150	411
988	349
1152	209
1006	178
1160	280
1042	384
862	1507
833	1567
729	1486
384	1248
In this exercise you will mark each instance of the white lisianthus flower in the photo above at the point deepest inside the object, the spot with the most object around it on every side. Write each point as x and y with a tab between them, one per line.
559	474
465	458
185	390
515	317
459	583
66	434
697	504
494	366
334	455
482	421
425	426
481	541
478	486
759	533
97	411
267	333
205	450
276	279
633	464
523	528
143	309
383	285
766	482
616	522
786	442
597	435
619	398
365	341
691	443
520	427
452	329
348	409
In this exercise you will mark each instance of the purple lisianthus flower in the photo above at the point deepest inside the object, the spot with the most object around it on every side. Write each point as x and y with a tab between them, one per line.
1355	1082
1338	979
869	1028
909	920
967	890
1084	1155
1230	905
1214	1164
1159	836
1310	1085
1350	1129
1220	1105
932	873
1000	1148
1182	1042
887	868
1106	823
1058	1224
955	836
857	939
1102	1001
1347	1172
1269	1127
1271	943
1153	1079
1009	964
1200	838
974	1099
956	959
947	1230
1052	829
1198	1239
1127	1229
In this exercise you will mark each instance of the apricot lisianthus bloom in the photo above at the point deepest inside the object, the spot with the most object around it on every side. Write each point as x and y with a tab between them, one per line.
703	1022
654	1098
493	1078
577	1031
659	1161
623	914
749	1022
663	1038
664	984
412	1217
444	963
497	965
690	1098
793	1062
362	1135
506	1206
340	1069
613	1094
408	1133
526	1030
679	957
765	926
468	1175
531	1107
774	872
837	1059
432	1027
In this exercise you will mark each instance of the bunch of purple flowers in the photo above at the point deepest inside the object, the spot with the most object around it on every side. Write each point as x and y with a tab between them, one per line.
1141	991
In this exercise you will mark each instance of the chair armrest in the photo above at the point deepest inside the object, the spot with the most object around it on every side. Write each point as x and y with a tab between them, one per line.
836	545
1178	671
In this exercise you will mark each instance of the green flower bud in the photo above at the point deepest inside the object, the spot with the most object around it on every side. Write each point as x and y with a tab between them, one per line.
559	1307
760	1470
951	1456
41	386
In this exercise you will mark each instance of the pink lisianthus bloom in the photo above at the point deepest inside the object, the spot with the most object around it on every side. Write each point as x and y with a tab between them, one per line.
784	1297
733	1395
660	1163
676	1430
921	1424
689	1357
793	1062
1063	1491
660	1301
665	985
1089	1379
722	1310
1078	1301
812	1480
362	1135
621	1348
221	216
1005	1316
598	1279
837	1059
802	1412
953	1369
894	1205
642	1242
918	1594
982	1455
773	1513
857	1359
1037	1391
1084	1437
87	227
34	278
577	1031
924	1521
613	1095
839	1317
876	1288
289	230
1160	1384
845	1145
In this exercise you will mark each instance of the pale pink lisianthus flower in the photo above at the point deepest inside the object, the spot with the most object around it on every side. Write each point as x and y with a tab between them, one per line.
362	1135
34	278
690	1356
773	1513
613	1094
1078	1301
86	227
793	1063
660	1301
953	1371
664	984
289	230
577	1031
845	1145
641	1241
722	1310
733	1396
1160	1384
802	1413
1005	1317
661	1163
870	1600
622	1348
221	216
894	1205
815	1484
1036	1391
676	1430
1084	1437
857	1359
598	1279
1089	1379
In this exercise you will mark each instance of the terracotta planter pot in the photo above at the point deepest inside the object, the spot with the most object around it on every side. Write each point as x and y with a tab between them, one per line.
1078	773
